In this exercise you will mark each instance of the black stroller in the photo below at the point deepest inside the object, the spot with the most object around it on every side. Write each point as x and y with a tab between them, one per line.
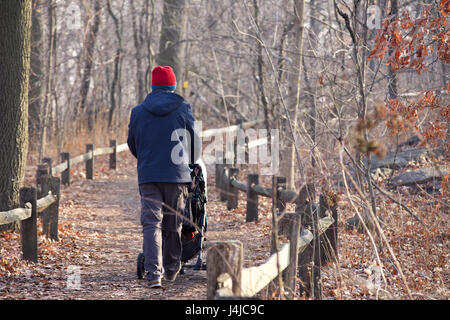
194	222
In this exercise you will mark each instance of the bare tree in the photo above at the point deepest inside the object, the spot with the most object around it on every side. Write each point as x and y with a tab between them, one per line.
115	91
36	74
45	112
299	6
89	46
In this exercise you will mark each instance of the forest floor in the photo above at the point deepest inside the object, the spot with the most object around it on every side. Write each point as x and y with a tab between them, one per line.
100	236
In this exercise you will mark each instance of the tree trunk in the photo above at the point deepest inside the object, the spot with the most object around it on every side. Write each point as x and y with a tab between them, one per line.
48	91
171	48
149	27
36	77
89	57
392	78
138	34
15	48
299	6
310	84
261	78
117	62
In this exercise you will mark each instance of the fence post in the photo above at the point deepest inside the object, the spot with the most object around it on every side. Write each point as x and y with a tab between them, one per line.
28	228
304	276
281	185
252	198
294	234
55	187
235	151
275	241
65	175
316	290
42	170
241	152
236	142
113	155
219	167
309	259
49	162
232	202
329	237
304	257
90	162
334	228
223	183
43	187
224	257
289	226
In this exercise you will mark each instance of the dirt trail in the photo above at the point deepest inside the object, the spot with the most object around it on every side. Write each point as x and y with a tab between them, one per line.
100	237
110	271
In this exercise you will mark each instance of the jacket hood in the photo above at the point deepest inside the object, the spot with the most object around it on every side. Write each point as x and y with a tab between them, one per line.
162	102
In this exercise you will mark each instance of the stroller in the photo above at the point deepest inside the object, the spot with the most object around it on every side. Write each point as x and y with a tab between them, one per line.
194	222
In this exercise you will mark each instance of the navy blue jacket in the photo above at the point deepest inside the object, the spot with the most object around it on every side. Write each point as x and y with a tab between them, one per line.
153	126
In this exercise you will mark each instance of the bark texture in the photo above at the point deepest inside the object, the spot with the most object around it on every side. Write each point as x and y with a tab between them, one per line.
171	48
15	38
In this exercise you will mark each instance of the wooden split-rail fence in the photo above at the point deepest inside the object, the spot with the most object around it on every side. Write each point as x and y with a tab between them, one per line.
311	231
43	200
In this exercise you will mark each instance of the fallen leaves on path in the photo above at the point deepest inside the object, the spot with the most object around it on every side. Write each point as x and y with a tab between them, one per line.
100	236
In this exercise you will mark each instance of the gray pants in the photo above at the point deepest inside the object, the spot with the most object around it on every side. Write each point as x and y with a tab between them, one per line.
162	205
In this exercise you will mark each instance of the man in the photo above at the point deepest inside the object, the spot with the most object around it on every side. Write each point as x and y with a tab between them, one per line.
159	136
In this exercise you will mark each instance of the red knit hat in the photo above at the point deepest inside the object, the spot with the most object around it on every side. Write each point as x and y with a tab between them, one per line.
164	77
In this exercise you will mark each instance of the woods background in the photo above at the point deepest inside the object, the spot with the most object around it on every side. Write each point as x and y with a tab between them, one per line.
345	83
236	61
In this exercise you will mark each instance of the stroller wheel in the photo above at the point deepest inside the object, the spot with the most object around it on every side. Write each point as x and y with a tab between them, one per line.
140	265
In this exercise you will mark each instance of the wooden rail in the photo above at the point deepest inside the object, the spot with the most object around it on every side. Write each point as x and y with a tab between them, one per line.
20	214
246	125
255	279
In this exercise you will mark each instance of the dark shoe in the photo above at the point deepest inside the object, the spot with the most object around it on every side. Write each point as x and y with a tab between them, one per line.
154	284
169	276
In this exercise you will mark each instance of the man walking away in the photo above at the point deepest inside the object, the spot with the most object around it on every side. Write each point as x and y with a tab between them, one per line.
156	139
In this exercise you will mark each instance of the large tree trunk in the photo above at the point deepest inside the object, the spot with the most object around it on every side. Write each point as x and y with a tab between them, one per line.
15	47
171	48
